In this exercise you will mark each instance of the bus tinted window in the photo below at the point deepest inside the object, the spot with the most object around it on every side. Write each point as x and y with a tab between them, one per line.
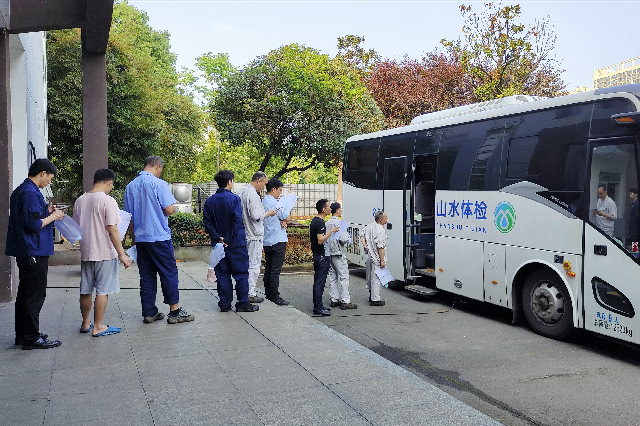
396	146
601	125
427	142
361	165
520	152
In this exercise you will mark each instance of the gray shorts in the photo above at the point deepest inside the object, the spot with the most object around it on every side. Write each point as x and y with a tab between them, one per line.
103	276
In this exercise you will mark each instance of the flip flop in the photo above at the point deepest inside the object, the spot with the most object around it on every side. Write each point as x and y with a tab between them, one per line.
87	330
108	331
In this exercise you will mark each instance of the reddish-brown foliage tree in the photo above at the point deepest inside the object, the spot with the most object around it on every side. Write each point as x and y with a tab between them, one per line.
406	89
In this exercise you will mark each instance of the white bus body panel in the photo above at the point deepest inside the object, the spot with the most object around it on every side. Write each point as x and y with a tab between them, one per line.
618	270
495	278
460	271
395	210
359	206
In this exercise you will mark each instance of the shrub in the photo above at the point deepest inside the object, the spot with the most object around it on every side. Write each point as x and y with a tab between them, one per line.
187	230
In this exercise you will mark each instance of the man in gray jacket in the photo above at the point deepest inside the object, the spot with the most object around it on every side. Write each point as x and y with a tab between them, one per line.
253	215
339	269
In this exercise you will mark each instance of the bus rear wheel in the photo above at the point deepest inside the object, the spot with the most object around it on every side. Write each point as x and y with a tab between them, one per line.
547	305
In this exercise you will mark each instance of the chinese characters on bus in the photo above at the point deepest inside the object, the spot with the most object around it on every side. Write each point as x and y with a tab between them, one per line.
463	209
609	322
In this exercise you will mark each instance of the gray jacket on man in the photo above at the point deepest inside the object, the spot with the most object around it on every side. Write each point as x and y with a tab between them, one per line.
252	213
337	246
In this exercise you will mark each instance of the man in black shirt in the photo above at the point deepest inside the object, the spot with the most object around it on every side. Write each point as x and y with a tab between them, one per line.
319	236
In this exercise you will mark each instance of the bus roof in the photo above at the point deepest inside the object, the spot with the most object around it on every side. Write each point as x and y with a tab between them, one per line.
511	105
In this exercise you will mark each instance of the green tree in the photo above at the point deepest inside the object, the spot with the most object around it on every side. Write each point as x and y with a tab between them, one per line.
147	112
295	105
351	51
504	57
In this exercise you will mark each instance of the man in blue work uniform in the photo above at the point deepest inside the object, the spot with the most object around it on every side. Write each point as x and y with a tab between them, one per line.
222	219
30	240
149	200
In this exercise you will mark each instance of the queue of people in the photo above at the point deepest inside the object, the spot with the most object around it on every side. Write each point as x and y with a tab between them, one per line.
244	224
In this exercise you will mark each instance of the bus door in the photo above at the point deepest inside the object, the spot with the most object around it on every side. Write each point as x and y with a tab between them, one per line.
424	213
395	205
610	284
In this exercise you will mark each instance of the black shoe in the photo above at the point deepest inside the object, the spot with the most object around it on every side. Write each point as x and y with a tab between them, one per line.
40	344
376	303
19	340
225	309
247	308
156	317
322	312
256	299
346	306
334	304
280	301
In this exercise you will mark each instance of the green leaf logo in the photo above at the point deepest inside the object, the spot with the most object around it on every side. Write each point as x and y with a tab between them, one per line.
504	217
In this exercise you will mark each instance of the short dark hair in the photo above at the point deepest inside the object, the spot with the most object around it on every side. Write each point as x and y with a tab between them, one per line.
42	165
104	175
223	177
334	207
258	175
634	190
274	183
153	161
320	205
378	216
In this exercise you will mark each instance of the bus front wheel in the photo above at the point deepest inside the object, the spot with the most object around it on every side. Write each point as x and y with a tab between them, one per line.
547	305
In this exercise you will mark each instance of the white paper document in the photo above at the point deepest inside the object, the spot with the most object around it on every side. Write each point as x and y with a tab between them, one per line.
384	275
286	203
343	225
217	254
133	253
124	226
69	229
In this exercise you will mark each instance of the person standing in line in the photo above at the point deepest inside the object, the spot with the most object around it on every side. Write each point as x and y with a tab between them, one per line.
275	242
606	212
30	241
339	269
149	201
253	216
634	215
101	251
375	243
320	250
222	219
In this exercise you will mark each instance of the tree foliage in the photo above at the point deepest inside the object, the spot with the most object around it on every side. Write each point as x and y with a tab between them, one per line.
351	51
294	105
504	57
406	89
147	113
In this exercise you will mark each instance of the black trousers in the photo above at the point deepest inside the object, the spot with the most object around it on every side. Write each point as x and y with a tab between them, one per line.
32	290
321	266
274	258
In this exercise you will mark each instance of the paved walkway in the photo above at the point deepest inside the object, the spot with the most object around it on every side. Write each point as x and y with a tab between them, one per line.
276	366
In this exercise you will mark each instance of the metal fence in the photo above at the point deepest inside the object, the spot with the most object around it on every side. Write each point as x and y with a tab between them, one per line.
308	195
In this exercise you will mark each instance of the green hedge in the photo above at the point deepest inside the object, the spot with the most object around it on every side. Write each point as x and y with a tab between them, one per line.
187	230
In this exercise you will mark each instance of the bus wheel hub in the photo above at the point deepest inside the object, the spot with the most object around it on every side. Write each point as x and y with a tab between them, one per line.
547	303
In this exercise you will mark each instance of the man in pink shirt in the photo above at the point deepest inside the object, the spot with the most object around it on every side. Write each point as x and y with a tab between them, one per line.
101	250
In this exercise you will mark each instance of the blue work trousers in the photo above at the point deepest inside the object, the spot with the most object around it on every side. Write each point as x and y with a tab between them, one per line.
157	258
321	266
234	263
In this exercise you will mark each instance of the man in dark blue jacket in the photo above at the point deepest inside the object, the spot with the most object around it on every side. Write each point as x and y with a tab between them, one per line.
222	219
30	240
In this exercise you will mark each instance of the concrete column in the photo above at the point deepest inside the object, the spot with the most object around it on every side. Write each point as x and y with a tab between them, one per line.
95	148
6	166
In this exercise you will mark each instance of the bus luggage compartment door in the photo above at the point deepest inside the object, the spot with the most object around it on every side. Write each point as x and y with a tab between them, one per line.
495	287
459	266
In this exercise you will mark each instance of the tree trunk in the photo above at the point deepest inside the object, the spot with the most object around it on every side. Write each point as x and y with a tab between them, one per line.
265	162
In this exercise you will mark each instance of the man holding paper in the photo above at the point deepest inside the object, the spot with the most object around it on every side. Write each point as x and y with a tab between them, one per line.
101	251
339	269
30	240
275	242
222	219
253	217
375	243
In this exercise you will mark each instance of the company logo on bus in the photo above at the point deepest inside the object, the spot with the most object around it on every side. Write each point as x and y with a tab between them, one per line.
504	217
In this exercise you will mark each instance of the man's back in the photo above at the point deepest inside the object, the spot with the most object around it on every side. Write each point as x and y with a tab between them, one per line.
222	217
94	211
145	198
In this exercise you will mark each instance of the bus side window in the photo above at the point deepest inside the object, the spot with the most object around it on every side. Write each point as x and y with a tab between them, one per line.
360	167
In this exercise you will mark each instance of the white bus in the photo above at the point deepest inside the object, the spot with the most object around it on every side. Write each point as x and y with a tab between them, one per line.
497	201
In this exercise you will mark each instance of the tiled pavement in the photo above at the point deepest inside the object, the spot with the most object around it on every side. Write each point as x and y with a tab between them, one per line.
275	366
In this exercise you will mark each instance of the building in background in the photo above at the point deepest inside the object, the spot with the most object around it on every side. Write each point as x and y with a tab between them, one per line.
627	72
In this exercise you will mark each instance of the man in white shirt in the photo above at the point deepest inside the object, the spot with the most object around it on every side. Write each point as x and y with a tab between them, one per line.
606	212
253	215
375	243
